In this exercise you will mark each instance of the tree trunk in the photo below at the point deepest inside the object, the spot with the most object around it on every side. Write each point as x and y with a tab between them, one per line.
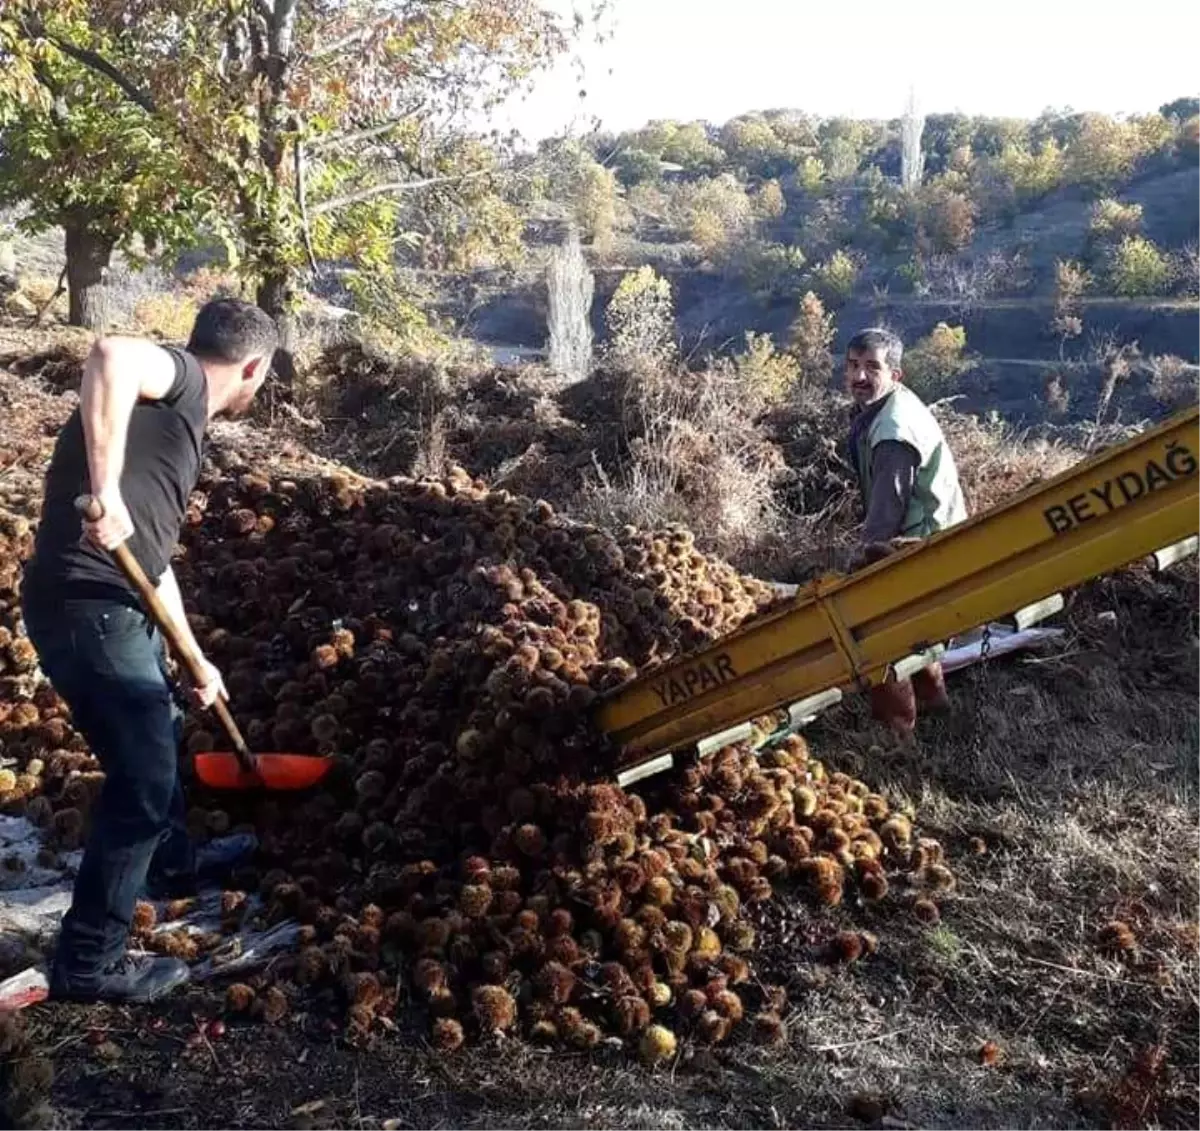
275	295
88	256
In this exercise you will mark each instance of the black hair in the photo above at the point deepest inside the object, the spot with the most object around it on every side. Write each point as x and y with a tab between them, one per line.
877	338
231	330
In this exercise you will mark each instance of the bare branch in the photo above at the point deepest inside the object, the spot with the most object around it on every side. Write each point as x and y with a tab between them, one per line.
352	137
395	187
348	40
95	62
302	203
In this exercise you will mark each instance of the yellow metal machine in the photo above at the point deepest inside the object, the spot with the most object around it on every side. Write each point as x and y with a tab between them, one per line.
1137	499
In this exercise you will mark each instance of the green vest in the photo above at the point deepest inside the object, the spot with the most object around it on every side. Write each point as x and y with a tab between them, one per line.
937	500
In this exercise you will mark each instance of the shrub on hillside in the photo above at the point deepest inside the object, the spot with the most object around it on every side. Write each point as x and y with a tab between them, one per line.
641	322
933	364
712	212
1173	382
1070	283
1137	268
769	202
837	275
810	339
1187	270
946	217
766	268
1187	141
810	175
1111	221
1105	150
766	374
1031	173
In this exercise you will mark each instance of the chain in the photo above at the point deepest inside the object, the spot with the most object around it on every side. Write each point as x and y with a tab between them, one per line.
981	673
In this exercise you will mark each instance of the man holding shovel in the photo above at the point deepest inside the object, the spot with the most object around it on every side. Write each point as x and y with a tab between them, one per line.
909	486
135	445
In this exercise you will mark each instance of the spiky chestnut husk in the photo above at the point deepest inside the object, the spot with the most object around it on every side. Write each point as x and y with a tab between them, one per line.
769	1029
896	832
446	1034
617	979
939	878
239	998
707	945
429	975
711	1027
656	1045
927	911
650	918
692	1003
144	917
494	1007
846	946
631	1014
729	1005
364	989
659	891
474	900
1117	937
273	1003
629	936
543	1032
476	870
873	885
576	1030
736	969
495	965
555	983
739	935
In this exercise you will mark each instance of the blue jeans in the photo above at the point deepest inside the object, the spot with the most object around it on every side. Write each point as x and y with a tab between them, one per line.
108	663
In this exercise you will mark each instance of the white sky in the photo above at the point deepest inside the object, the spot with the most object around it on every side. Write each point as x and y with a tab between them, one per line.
715	59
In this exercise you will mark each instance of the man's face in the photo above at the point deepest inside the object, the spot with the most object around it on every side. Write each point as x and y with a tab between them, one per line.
868	375
253	375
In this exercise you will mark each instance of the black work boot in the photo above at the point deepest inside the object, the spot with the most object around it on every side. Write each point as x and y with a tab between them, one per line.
131	978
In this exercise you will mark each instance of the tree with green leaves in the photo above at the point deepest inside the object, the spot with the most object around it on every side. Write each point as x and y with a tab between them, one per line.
78	159
305	119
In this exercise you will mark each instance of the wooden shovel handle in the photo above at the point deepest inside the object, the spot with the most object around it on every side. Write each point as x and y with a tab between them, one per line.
92	510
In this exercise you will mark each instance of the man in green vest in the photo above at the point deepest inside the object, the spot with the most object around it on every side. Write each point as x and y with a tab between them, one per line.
909	487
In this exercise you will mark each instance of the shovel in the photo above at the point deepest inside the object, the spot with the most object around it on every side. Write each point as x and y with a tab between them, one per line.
240	770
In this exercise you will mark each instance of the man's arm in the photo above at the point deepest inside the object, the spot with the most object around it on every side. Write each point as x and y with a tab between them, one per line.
172	598
894	475
117	373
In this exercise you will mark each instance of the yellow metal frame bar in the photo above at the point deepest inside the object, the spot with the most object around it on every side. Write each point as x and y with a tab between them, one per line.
1106	511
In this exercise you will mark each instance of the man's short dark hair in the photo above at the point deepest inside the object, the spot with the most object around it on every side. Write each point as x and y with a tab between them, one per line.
877	338
230	330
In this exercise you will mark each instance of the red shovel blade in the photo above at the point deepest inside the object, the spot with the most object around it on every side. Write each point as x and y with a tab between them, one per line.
221	770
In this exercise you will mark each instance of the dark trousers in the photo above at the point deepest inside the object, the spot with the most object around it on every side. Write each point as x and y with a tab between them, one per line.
107	661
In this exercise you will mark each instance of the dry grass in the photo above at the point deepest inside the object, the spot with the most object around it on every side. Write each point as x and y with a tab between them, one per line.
167	317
